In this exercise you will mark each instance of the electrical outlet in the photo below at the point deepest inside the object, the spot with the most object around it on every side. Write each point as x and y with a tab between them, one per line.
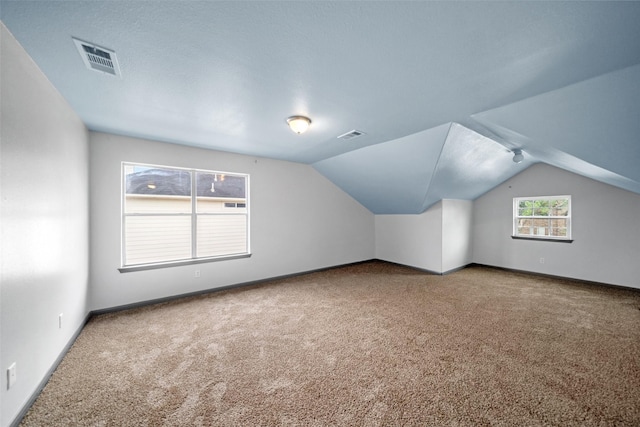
541	260
197	273
11	375
60	320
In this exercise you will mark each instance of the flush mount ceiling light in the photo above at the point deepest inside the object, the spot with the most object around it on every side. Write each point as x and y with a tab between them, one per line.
299	124
517	155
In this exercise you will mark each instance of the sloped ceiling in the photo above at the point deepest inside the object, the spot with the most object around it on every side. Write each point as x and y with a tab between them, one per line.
408	175
591	128
443	90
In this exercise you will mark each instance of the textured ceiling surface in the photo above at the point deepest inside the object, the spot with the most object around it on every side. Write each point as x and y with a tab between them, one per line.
443	90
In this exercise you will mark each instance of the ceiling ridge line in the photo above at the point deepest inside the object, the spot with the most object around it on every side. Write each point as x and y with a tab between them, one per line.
435	168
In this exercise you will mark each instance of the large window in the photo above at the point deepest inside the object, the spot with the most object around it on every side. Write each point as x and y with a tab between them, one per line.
542	217
171	215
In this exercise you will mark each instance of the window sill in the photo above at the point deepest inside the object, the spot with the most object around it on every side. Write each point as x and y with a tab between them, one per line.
154	266
542	239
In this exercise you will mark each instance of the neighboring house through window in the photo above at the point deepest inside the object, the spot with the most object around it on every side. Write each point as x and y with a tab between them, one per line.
172	214
546	217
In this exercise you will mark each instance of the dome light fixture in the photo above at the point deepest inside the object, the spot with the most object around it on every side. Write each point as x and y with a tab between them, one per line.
517	155
299	124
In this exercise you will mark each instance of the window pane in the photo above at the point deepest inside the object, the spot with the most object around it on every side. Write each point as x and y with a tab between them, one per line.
157	238
157	204
155	189
525	212
560	207
524	231
525	208
524	227
221	235
216	189
525	222
559	232
541	227
559	227
541	208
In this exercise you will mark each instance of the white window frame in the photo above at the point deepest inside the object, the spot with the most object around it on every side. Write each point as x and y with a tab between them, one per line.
194	259
516	217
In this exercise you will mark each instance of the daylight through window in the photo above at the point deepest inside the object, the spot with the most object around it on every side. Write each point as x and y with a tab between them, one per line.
542	217
172	214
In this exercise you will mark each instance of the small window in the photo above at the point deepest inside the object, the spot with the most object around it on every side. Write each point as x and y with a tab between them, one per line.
546	217
172	214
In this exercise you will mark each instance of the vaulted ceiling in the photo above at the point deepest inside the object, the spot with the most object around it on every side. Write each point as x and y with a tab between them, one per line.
443	91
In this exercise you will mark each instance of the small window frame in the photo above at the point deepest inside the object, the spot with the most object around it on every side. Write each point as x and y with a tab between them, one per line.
547	236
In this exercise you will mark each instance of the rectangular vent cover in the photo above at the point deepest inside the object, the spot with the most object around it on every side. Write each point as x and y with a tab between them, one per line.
98	58
351	134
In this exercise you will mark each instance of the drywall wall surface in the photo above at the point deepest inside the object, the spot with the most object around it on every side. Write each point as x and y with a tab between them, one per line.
605	230
413	240
299	221
457	221
44	229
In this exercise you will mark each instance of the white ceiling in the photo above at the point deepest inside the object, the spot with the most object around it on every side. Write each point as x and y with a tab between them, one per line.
443	90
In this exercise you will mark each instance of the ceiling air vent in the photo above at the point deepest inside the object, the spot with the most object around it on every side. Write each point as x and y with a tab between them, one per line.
351	134
98	58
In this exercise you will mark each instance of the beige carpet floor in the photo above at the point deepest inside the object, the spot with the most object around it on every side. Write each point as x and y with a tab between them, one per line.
364	345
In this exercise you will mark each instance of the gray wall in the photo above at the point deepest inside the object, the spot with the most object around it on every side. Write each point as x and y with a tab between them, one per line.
605	229
437	240
44	229
300	221
457	247
414	240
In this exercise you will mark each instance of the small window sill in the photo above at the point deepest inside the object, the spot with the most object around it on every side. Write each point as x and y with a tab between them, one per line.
154	266
542	239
